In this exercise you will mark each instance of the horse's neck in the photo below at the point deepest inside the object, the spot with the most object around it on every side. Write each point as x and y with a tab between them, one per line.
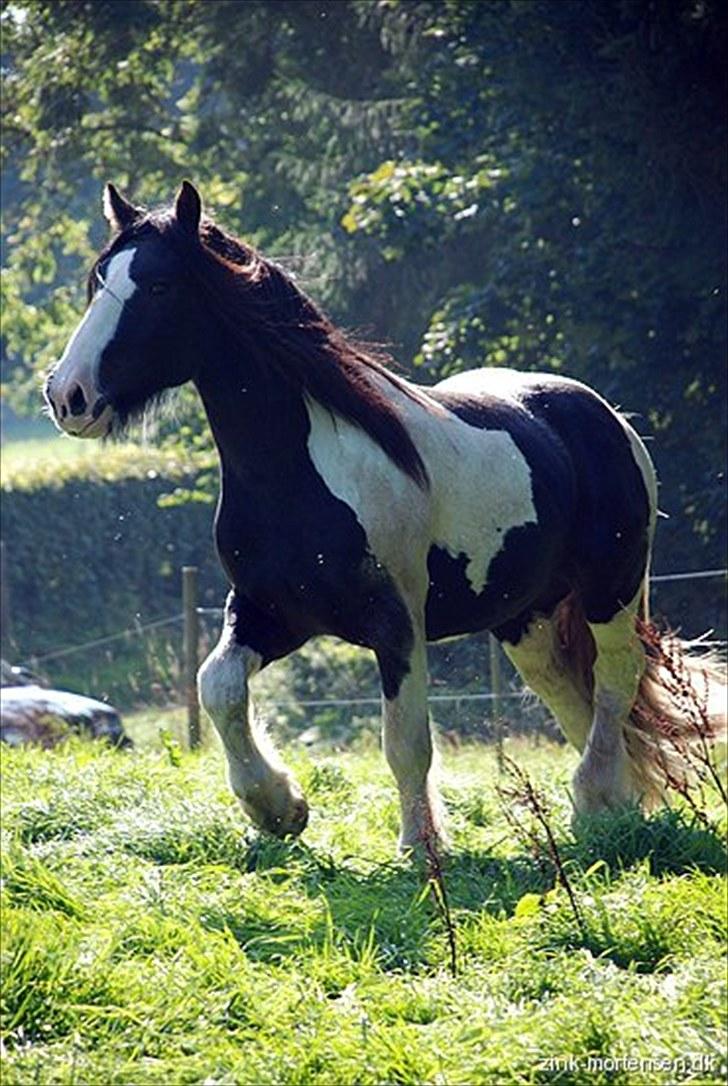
257	418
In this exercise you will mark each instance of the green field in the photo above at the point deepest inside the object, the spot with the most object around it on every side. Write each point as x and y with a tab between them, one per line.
40	456
27	442
151	937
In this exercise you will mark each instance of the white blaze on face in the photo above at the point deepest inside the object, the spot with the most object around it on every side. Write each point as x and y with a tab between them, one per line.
79	365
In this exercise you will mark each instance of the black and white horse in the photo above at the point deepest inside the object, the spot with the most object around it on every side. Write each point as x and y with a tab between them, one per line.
356	504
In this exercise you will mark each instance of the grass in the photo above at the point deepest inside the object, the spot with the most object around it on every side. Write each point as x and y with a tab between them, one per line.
43	450
150	937
31	462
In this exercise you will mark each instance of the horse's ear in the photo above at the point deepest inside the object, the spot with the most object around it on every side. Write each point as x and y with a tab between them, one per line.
188	208
118	211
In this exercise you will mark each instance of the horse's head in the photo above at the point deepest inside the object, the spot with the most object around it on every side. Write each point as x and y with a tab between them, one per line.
141	333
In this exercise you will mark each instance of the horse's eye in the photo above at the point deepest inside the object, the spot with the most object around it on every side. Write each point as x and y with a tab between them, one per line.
158	287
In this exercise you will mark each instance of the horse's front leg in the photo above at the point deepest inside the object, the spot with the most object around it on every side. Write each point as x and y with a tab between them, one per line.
408	746
267	792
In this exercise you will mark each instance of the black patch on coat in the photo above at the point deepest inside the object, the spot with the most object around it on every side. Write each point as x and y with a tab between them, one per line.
514	587
612	512
591	504
531	570
296	554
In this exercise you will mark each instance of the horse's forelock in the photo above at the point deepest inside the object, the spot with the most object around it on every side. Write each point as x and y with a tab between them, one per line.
143	227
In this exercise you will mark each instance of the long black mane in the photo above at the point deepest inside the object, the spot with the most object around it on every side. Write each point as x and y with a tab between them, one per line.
277	325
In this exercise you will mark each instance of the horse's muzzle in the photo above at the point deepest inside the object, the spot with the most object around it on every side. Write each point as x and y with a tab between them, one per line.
77	412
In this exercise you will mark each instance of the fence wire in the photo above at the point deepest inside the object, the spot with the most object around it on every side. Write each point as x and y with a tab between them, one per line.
217	612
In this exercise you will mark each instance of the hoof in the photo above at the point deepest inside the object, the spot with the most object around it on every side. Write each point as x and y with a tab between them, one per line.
287	819
424	845
594	798
295	820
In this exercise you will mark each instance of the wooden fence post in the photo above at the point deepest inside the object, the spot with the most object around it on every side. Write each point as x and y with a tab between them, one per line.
191	650
4	600
495	689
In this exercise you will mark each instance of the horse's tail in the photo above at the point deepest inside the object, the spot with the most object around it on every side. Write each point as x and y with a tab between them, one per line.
676	731
679	720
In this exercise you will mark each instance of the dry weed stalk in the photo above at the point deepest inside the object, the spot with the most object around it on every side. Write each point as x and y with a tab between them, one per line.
524	795
436	882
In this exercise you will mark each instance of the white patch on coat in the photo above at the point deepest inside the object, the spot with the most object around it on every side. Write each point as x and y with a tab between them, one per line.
223	677
79	364
509	384
480	488
647	468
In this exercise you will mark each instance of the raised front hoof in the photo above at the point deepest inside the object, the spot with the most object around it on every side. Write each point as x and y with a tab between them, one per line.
291	822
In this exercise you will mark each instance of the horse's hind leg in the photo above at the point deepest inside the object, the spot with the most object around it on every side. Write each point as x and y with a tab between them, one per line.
604	777
543	663
266	790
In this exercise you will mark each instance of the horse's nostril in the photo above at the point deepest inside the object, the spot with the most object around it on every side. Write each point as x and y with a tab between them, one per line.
77	401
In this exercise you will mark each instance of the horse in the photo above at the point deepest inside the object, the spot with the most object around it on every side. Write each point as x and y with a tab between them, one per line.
356	503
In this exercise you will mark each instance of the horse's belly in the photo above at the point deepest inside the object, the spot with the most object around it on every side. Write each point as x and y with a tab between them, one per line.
518	577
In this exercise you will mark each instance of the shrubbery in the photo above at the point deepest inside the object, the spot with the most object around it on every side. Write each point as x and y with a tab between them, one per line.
96	549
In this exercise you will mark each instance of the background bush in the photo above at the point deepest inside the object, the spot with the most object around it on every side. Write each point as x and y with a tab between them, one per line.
96	549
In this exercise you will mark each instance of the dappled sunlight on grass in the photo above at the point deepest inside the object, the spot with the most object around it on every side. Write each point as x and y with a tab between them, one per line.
43	455
152	936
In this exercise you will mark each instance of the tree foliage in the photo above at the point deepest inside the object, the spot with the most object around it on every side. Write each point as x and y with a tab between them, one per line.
538	183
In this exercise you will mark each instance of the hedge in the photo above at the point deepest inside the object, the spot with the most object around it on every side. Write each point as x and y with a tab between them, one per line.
97	548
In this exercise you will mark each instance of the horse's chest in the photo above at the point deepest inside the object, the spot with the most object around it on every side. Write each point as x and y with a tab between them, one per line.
302	556
267	543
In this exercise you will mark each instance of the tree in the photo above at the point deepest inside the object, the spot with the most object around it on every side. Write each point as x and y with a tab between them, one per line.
538	183
570	181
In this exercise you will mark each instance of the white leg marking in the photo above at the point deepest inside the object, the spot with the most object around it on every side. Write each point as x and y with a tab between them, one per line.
266	790
408	747
539	661
604	777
